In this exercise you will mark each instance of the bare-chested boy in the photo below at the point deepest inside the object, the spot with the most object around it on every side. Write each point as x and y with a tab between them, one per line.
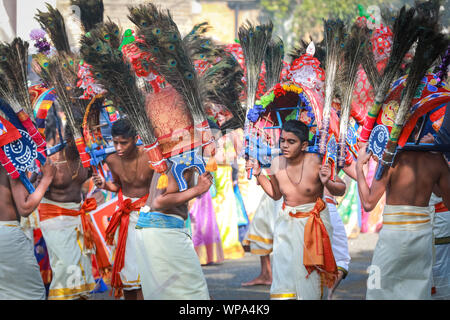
260	236
301	244
402	261
20	277
131	179
168	264
61	223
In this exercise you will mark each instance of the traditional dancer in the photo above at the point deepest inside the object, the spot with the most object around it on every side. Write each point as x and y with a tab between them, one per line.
302	264
61	222
404	249
131	179
402	260
20	276
306	73
260	239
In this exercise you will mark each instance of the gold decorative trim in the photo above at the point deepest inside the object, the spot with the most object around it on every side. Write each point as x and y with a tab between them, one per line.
283	295
407	222
68	293
260	239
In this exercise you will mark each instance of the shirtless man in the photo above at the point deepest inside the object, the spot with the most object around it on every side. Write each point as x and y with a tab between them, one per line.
168	264
62	228
131	179
299	178
260	236
20	277
402	260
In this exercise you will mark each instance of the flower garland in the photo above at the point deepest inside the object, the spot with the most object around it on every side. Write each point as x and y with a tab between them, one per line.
278	91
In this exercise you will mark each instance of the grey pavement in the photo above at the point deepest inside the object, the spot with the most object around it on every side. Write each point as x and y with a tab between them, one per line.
224	280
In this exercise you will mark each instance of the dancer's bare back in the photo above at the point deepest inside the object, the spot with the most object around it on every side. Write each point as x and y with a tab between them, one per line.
413	176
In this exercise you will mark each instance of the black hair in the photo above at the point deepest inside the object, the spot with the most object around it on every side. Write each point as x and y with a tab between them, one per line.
70	150
298	128
123	127
50	126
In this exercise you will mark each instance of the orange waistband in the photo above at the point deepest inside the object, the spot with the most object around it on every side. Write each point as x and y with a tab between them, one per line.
49	211
317	251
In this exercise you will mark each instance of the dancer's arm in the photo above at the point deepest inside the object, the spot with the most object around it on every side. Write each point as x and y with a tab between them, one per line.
336	187
26	203
172	197
369	196
270	186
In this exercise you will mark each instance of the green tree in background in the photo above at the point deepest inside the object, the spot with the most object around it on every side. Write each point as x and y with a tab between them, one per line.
302	19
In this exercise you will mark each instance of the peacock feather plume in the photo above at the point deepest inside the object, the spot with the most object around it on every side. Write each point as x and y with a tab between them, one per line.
273	60
254	41
53	23
201	47
354	45
334	42
108	32
14	70
118	78
222	84
369	65
406	29
62	76
170	56
431	43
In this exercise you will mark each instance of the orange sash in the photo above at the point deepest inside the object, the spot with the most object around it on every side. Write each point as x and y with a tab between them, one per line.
90	236
121	217
317	251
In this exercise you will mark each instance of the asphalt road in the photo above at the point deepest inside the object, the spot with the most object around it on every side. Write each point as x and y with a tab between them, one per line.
224	280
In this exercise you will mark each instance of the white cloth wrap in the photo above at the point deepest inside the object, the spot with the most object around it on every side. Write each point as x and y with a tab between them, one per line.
289	279
402	260
169	266
72	276
20	277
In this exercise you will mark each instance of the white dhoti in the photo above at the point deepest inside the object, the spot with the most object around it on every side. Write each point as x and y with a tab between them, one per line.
441	266
290	279
168	264
402	260
20	277
71	266
260	233
339	240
